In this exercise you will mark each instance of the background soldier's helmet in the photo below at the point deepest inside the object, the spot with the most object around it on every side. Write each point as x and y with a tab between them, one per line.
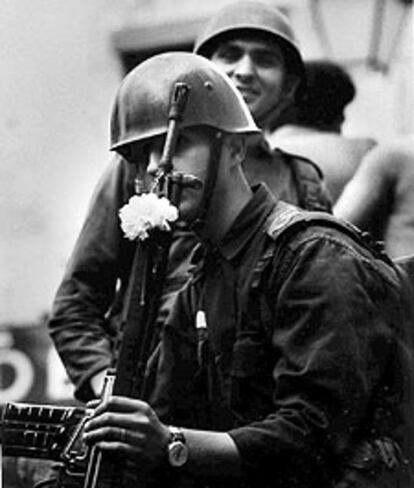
142	103
249	16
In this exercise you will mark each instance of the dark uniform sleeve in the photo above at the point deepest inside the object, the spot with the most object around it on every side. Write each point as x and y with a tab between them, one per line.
333	313
78	322
312	190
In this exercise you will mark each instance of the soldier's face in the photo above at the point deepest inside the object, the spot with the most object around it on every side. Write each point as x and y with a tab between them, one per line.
191	158
257	68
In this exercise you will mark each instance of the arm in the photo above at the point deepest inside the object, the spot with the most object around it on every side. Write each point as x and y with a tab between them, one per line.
78	324
130	427
366	198
313	192
133	428
333	316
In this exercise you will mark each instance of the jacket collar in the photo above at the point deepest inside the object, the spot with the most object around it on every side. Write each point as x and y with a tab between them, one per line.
248	223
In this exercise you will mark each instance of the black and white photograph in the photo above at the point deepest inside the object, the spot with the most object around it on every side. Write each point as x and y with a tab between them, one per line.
207	244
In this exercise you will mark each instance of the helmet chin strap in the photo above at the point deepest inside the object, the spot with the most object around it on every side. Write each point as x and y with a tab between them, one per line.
210	182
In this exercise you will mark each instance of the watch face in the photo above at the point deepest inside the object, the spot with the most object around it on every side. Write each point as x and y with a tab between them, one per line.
177	453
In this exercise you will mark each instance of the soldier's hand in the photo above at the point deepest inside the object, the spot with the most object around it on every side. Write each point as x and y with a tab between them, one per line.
130	428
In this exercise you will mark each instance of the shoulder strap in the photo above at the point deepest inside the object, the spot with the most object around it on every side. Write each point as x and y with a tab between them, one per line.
283	223
287	220
312	190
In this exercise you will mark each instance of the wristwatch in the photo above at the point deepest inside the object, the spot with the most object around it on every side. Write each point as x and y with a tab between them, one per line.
177	449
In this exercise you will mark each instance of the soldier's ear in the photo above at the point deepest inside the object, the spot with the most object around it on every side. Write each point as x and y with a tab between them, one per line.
291	84
237	148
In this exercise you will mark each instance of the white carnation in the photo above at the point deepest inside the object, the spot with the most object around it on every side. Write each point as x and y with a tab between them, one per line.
145	212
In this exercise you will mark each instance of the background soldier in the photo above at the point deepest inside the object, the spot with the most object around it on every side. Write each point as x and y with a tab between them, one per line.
254	44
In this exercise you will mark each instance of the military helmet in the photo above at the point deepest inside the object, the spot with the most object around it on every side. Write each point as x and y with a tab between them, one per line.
142	103
248	16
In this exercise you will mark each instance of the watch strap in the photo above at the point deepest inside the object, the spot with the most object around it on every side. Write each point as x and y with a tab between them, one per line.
176	435
177	450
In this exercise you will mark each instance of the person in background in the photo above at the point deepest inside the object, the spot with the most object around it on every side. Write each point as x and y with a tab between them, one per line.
281	363
85	314
254	44
380	196
317	131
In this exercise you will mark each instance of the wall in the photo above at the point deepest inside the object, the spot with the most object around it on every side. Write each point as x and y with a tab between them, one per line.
58	78
381	108
59	75
347	24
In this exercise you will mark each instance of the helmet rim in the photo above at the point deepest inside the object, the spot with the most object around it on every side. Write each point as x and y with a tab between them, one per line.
141	106
254	17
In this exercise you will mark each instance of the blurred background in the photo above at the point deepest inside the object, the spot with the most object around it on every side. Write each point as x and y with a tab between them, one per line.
61	63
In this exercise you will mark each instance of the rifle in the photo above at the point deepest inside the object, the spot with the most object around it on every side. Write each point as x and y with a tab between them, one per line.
55	432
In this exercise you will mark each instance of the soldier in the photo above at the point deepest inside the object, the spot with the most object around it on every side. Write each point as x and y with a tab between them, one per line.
85	298
280	363
254	44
